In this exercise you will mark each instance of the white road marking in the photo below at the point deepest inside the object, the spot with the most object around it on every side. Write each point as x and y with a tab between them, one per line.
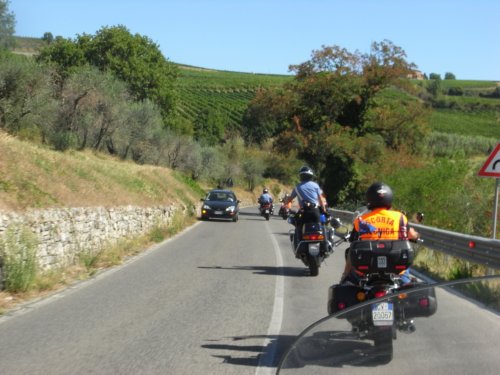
270	344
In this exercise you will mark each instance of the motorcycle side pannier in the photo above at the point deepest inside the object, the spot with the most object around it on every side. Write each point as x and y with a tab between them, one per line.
391	256
420	303
341	297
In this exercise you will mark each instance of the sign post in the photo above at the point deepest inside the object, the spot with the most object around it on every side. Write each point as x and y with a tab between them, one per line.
495	211
492	169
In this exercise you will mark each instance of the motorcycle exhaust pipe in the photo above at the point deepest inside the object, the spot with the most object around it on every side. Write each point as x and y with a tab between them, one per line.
408	327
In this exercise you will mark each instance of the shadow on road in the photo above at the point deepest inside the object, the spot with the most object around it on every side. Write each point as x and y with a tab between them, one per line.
256	355
265	270
326	349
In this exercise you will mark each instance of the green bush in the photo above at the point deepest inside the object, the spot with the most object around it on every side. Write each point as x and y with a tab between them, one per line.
18	250
455	91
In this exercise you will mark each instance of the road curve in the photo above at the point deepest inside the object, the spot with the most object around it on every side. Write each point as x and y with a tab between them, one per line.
219	298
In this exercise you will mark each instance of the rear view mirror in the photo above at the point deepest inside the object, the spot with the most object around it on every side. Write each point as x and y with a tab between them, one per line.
336	223
340	229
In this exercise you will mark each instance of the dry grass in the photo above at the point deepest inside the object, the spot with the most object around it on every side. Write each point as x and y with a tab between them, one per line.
34	177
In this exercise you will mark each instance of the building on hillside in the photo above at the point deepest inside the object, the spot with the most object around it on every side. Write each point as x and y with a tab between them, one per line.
416	74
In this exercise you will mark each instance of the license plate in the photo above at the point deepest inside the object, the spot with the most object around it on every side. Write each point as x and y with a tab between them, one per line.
218	212
382	262
266	211
382	314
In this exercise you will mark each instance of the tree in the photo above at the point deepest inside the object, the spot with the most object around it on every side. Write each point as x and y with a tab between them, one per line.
449	75
435	76
337	97
134	137
267	116
209	127
64	56
339	86
252	170
134	59
7	25
93	108
48	37
434	87
27	106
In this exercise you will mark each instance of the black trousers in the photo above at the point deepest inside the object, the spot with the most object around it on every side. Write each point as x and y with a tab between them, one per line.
307	215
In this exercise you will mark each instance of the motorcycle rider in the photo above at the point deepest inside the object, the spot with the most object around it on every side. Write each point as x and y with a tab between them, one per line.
379	223
266	198
309	196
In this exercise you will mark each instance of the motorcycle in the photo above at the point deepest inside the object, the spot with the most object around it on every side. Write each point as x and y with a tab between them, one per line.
284	211
315	243
378	277
266	209
330	346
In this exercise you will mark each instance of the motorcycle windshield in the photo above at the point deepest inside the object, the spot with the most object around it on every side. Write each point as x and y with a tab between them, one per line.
462	335
360	211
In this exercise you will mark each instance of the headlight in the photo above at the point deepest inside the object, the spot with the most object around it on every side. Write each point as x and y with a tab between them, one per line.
206	207
231	208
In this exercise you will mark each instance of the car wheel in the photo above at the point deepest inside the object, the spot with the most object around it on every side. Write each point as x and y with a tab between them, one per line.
235	219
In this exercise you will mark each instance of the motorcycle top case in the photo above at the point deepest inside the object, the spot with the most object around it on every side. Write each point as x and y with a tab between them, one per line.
312	228
383	256
342	294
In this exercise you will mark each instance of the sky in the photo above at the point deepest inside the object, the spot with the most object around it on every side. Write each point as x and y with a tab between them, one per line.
267	36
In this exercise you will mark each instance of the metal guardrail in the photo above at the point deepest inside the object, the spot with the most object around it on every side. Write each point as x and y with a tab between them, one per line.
475	249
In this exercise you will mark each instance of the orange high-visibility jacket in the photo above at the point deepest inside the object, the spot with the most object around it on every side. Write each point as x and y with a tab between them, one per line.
382	224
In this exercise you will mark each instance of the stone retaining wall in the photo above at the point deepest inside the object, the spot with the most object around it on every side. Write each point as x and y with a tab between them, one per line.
64	233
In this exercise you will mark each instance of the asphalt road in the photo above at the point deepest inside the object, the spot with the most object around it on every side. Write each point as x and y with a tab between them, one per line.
219	298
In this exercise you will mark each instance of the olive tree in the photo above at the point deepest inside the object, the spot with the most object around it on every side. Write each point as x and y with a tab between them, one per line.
92	109
134	137
27	106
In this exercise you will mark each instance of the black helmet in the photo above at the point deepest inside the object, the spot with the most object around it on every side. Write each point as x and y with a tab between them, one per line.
306	173
265	191
379	195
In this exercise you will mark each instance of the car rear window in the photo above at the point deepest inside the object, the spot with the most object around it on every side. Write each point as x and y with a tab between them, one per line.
221	197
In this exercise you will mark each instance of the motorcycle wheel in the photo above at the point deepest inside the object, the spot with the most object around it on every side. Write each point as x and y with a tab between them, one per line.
313	266
266	216
383	345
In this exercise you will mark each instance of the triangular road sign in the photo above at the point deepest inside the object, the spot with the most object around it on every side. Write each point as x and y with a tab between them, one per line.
492	166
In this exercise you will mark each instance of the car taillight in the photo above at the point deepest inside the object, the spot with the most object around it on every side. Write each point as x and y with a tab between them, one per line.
341	305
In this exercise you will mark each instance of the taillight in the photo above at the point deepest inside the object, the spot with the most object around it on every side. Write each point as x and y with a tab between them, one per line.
423	302
341	305
313	237
380	293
